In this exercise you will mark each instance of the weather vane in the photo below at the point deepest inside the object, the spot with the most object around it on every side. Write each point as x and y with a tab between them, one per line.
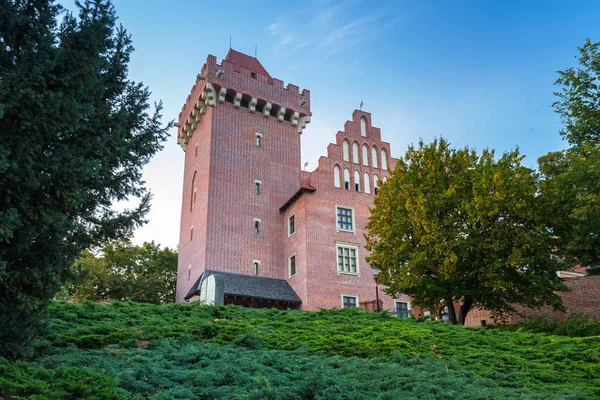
361	104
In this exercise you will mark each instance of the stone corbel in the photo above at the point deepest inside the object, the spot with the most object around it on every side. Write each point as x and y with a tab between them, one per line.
281	114
295	118
219	74
208	94
267	109
302	122
201	107
237	99
252	105
222	94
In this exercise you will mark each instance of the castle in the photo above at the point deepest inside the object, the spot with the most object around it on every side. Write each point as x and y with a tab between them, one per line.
256	230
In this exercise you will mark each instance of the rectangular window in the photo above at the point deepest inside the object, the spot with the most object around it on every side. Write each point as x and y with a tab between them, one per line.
256	225
349	301
257	187
255	265
292	264
291	225
402	310
258	138
347	258
345	219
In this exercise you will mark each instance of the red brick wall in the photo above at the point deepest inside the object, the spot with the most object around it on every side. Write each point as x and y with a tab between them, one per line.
583	296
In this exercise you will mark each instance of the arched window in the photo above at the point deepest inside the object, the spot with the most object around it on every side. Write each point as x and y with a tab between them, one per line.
355	153
346	179
374	157
367	183
383	159
363	127
336	176
345	149
193	192
384	179
365	154
356	181
375	184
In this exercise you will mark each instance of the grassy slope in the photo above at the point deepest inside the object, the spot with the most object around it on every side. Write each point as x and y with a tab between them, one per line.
197	351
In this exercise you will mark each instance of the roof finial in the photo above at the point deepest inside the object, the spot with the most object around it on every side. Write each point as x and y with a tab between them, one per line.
361	104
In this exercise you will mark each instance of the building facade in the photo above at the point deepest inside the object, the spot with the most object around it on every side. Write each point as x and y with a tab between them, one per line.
256	230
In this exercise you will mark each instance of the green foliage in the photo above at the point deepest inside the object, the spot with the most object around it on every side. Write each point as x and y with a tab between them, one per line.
577	325
146	274
571	178
74	135
453	225
292	351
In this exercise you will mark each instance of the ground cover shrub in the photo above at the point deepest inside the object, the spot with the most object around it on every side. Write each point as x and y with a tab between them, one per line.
576	325
543	363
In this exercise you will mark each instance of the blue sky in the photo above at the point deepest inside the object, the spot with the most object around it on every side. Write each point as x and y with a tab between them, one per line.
479	73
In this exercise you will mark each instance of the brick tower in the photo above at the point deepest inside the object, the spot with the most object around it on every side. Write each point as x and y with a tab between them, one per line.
240	130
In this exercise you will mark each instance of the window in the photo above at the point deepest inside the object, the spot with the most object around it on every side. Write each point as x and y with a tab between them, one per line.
345	150
258	138
291	225
194	188
347	258
255	265
256	225
336	176
375	187
257	187
189	272
349	301
363	127
345	218
383	159
402	309
355	153
196	151
292	265
346	179
384	179
365	155
356	181
191	233
374	157
367	183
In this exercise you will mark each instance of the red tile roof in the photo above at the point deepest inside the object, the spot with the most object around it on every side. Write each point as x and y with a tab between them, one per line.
245	61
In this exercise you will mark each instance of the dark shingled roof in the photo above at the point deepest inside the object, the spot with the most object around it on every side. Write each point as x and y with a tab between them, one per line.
250	286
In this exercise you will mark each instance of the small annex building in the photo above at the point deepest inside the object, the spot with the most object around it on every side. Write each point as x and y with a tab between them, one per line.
256	230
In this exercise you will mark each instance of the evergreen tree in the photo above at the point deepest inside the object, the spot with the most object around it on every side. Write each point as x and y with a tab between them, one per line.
450	225
74	135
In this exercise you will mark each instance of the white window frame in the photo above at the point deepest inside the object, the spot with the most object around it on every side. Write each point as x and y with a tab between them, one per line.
355	153
258	139
350	295
293	215
259	183
347	245
255	266
254	226
338	229
408	307
290	265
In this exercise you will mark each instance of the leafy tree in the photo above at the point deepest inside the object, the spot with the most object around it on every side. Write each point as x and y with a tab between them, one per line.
571	184
146	274
74	135
452	225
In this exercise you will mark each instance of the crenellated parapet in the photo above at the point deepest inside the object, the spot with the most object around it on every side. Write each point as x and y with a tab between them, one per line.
246	90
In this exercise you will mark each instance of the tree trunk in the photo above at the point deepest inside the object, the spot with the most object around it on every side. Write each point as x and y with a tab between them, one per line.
451	311
464	310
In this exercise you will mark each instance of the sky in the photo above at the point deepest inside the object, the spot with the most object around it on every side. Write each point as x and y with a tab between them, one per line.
479	73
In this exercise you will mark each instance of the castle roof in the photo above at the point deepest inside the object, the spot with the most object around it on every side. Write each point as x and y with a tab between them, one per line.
257	287
245	61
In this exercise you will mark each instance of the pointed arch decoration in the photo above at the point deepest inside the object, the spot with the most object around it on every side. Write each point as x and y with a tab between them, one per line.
357	181
355	153
363	127
374	157
384	164
346	179
367	183
345	150
365	155
336	176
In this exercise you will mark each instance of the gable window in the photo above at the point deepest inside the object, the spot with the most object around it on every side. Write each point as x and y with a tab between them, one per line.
374	157
256	225
347	258
345	218
258	139
349	302
292	265
367	183
336	176
355	153
365	155
257	187
346	179
383	159
363	127
291	225
356	181
402	309
345	150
